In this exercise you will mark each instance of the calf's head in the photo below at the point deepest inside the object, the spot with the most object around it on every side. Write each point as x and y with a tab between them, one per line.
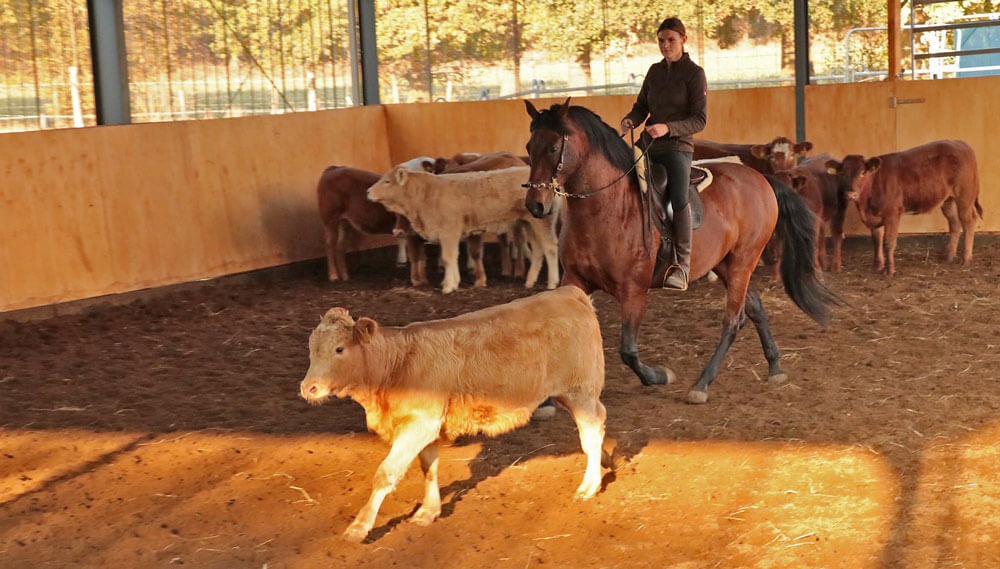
781	153
336	361
390	189
854	175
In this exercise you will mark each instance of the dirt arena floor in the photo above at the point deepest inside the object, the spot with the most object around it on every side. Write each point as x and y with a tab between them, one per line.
169	431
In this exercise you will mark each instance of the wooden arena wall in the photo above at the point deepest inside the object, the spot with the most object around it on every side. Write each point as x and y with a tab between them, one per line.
94	211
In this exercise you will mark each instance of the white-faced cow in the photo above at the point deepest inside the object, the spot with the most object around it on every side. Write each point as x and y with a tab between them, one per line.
941	174
482	372
779	154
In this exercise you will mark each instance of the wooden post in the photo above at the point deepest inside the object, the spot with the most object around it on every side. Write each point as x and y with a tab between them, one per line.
894	33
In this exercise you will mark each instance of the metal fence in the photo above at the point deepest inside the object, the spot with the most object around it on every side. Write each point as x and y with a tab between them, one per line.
209	58
45	70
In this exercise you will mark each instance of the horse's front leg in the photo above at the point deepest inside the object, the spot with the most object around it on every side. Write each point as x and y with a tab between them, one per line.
633	308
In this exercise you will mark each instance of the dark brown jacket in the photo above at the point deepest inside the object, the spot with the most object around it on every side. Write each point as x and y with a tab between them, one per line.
673	94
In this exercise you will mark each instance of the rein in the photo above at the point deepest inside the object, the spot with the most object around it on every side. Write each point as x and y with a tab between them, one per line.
557	188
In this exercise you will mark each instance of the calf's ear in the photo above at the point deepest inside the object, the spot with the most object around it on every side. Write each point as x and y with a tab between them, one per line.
803	147
399	175
873	164
365	330
833	167
760	151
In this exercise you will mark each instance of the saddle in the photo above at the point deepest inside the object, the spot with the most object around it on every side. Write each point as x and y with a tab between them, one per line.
657	179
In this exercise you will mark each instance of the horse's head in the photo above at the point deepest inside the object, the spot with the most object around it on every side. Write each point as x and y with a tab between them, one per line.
551	154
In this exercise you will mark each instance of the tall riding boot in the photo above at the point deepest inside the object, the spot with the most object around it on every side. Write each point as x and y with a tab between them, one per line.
677	274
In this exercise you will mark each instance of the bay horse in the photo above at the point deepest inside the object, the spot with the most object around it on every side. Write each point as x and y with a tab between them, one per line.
602	245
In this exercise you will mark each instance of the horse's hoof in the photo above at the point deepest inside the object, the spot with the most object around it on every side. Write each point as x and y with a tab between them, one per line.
697	397
662	375
778	378
544	413
668	375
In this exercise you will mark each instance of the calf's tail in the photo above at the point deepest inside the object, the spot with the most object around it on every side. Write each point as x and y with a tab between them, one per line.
796	229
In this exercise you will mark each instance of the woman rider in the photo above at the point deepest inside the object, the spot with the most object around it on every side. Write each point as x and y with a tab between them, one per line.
673	96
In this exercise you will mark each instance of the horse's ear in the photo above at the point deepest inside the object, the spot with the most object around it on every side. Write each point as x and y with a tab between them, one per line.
564	109
873	164
833	167
531	108
802	147
760	150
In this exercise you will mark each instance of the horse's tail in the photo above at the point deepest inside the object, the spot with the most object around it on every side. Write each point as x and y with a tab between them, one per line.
797	231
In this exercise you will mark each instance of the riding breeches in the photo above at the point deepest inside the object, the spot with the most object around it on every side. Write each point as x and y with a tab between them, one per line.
678	166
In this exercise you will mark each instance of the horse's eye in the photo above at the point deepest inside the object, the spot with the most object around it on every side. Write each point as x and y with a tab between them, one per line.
553	149
339	349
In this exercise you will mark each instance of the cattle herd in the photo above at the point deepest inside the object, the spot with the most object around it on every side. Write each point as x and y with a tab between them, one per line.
441	379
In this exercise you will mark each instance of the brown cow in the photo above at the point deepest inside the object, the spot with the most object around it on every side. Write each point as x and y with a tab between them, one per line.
941	173
780	154
482	372
818	189
345	209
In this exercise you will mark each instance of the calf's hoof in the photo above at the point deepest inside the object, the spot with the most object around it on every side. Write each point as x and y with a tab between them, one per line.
697	397
424	517
586	491
355	533
778	378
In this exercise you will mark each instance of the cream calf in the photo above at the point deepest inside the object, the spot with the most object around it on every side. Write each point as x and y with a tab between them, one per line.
481	372
447	207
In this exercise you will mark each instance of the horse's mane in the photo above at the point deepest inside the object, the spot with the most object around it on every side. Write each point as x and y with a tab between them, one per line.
602	137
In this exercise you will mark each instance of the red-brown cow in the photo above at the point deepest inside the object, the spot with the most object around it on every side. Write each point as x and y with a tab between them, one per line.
780	154
819	190
941	173
345	210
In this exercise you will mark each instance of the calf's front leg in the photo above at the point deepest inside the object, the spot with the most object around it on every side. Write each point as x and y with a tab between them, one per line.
449	256
411	438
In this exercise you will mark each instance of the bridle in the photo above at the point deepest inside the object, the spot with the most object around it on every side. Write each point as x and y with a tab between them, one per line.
557	188
554	184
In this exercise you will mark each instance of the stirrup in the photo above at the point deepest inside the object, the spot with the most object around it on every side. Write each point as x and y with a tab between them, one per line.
675	278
